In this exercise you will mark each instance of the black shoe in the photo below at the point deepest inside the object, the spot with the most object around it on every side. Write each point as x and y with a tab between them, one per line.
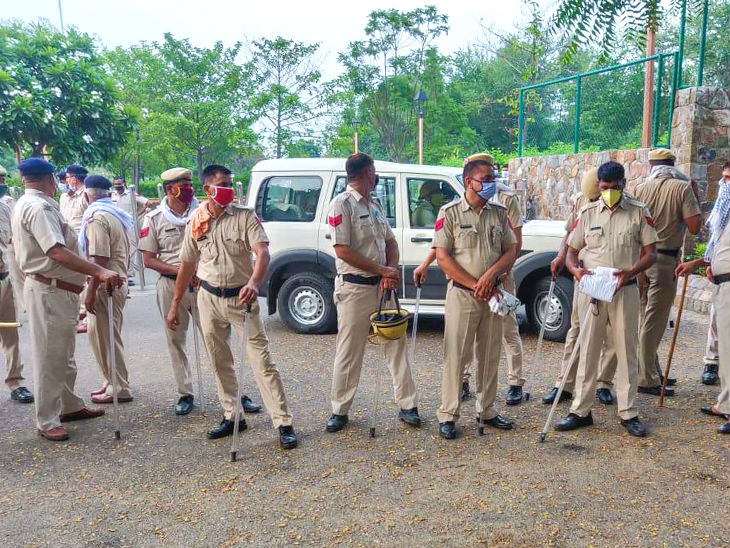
498	422
573	421
549	398
410	417
656	390
634	427
249	406
184	405
287	437
711	411
709	375
131	282
604	396
465	394
22	395
724	428
514	395
336	423
447	430
225	428
671	381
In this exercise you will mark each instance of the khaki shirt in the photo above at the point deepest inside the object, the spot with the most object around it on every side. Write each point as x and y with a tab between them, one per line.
161	237
9	201
124	201
720	262
223	253
670	200
38	226
5	235
106	237
73	207
512	203
475	240
612	238
361	225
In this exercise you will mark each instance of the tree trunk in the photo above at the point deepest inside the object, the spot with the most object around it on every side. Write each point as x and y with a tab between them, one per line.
648	116
200	165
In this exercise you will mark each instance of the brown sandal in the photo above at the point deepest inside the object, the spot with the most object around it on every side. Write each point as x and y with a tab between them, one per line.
712	411
107	398
101	390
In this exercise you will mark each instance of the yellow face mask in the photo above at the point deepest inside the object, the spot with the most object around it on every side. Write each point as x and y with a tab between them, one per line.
611	196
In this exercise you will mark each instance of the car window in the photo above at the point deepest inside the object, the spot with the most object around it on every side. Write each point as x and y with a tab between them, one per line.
384	192
425	198
291	199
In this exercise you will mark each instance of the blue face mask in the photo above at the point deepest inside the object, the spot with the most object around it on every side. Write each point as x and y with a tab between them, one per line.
487	191
62	187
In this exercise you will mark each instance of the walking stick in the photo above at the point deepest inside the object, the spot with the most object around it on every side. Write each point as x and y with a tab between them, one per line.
415	322
674	341
237	405
480	416
9	325
567	372
194	316
538	351
113	362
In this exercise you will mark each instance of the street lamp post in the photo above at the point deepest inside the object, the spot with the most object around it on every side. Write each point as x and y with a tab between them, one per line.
356	125
419	100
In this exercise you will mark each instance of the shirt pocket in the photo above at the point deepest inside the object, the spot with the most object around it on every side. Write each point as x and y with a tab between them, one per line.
366	227
496	235
466	238
626	237
170	238
235	242
594	237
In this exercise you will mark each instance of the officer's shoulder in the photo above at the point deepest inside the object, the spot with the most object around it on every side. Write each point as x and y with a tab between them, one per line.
450	205
589	206
634	202
154	213
340	198
499	205
241	207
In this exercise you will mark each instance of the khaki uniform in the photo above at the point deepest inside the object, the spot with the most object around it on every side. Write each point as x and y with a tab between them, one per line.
37	227
611	239
124	202
223	255
712	356
721	301
361	225
8	337
164	239
668	196
107	238
16	275
475	241
607	368
73	206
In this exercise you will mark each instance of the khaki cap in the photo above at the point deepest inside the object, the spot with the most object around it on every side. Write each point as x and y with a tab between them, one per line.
661	154
480	156
589	184
176	173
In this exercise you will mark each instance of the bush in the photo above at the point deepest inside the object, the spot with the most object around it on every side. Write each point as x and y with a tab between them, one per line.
697	253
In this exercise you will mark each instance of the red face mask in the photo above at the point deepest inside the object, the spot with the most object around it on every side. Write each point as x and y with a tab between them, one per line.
222	195
185	195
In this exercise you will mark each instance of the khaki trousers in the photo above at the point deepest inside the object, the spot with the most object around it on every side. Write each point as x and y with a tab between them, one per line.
52	314
607	368
657	300
712	355
722	302
217	315
616	324
354	304
99	339
471	329
9	337
176	339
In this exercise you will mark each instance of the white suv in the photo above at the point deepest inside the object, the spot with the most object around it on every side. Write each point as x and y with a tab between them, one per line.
291	198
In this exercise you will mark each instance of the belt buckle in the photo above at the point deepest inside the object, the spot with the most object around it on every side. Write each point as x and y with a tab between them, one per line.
54	282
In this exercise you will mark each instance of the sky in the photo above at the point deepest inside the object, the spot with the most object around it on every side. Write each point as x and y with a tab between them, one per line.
333	23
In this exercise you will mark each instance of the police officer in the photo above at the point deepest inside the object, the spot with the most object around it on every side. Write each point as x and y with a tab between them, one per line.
103	240
668	194
589	193
367	262
475	246
9	337
160	240
219	239
16	276
73	202
616	232
46	247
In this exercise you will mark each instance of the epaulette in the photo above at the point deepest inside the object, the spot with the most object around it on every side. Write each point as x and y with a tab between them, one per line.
588	206
634	202
451	204
498	204
241	206
154	212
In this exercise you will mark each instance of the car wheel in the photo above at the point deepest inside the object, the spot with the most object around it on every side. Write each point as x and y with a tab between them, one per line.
305	304
556	316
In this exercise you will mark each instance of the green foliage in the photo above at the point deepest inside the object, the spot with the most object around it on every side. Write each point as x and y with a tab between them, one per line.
56	97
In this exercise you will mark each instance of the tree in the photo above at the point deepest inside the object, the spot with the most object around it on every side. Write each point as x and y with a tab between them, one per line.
289	95
56	98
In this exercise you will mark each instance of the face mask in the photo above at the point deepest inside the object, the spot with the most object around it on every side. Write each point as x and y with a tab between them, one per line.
222	195
119	189
487	191
62	187
437	200
3	190
611	197
185	195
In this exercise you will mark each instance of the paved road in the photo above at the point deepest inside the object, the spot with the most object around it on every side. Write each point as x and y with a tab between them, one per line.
164	484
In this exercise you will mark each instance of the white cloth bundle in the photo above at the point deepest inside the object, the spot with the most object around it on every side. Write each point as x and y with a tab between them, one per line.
601	284
505	304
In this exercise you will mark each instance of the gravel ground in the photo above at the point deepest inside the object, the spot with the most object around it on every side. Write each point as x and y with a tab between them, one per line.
165	484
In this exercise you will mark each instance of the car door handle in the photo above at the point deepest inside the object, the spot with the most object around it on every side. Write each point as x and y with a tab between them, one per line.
328	236
422	239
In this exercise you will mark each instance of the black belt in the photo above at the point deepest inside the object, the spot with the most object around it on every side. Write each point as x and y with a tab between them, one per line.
668	252
361	280
3	275
718	279
172	277
632	281
225	292
462	286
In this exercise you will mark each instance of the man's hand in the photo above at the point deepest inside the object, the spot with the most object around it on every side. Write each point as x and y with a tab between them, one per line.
248	294
485	285
171	319
90	301
709	274
556	265
580	272
623	277
108	278
194	282
419	275
388	283
685	269
390	272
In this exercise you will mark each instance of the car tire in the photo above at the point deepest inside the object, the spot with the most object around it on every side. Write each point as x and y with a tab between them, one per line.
305	303
559	324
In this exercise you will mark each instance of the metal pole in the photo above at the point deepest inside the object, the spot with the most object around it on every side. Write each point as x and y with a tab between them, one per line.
520	124
576	130
657	102
703	39
138	254
649	102
420	137
357	143
113	361
675	87
60	15
239	191
537	359
414	329
682	25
